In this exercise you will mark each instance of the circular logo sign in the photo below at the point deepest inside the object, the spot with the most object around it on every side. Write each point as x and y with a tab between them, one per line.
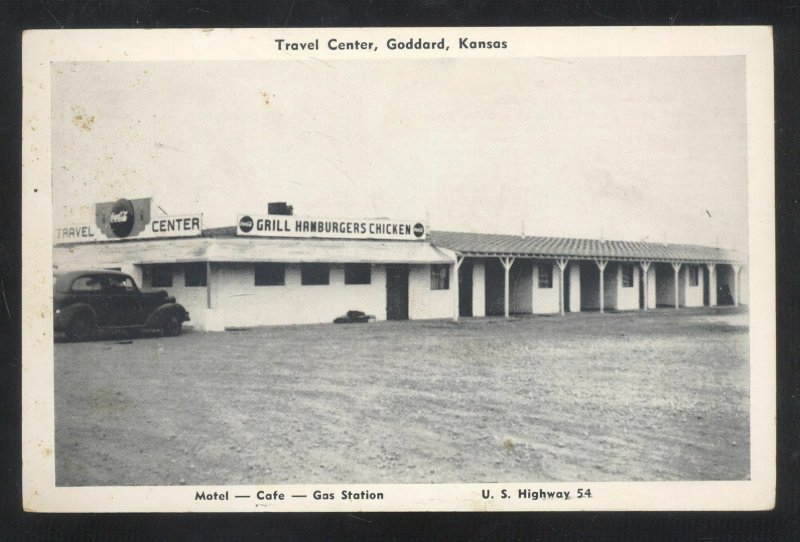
246	224
122	218
419	230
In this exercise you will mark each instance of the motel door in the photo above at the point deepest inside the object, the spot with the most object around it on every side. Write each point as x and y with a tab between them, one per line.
465	288
397	293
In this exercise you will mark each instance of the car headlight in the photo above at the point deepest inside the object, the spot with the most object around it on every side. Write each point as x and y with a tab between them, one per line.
58	311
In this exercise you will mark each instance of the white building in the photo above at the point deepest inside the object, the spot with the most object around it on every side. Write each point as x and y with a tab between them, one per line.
227	278
512	274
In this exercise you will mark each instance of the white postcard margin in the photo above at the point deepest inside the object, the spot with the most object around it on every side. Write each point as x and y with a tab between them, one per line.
41	47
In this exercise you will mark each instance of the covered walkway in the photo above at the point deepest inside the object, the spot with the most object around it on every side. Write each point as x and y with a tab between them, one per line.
512	274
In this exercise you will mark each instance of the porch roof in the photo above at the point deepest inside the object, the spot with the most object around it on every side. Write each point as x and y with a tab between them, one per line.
485	244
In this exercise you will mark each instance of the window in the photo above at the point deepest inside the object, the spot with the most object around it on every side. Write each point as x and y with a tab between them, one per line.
314	274
440	277
694	275
270	274
195	274
357	273
627	275
545	275
87	284
120	284
161	276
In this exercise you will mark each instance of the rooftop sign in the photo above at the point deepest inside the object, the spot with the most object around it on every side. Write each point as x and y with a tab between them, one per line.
332	228
129	219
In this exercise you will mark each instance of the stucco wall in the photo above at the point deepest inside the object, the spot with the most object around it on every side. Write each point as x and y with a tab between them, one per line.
193	298
239	303
744	287
627	298
610	285
573	276
712	285
691	296
424	303
545	300
478	285
651	287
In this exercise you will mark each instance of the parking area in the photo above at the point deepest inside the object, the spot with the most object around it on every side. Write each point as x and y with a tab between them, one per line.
661	395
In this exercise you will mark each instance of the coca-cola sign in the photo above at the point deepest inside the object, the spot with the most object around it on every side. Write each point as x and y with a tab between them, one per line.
127	219
122	218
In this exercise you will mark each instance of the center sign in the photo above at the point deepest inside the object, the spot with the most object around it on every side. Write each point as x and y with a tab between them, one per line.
129	219
309	227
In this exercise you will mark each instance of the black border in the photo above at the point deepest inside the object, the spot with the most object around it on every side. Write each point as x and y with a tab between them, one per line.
780	524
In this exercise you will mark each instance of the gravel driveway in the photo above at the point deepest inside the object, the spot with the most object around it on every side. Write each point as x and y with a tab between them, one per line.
656	396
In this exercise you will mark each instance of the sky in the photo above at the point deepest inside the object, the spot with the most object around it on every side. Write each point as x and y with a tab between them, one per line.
617	148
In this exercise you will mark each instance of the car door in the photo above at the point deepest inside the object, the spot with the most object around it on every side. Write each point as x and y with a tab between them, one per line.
124	301
89	290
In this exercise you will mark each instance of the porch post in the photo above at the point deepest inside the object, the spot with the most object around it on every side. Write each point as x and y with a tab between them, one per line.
712	285
507	263
677	267
645	266
562	264
457	289
208	284
736	269
601	265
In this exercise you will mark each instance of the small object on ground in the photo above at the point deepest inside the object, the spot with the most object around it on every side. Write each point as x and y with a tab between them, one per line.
124	342
353	317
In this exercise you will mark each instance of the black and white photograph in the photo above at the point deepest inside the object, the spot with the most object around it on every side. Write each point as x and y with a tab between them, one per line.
399	269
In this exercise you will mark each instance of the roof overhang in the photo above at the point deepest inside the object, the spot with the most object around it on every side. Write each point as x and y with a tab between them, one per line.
239	249
572	257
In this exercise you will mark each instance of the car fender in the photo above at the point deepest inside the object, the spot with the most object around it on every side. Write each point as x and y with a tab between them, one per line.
64	316
157	318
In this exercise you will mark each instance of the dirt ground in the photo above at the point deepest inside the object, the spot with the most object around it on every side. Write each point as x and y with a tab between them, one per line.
614	397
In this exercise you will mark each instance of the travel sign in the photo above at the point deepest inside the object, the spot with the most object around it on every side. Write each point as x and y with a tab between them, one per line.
332	228
129	219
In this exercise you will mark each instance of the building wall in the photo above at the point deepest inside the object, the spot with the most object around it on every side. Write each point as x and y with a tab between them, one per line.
726	276
611	281
545	300
691	296
424	303
651	286
239	303
744	286
134	271
712	285
627	298
478	288
573	276
665	284
193	298
520	284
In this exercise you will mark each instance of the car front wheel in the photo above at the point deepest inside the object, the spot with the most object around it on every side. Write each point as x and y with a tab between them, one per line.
173	326
81	328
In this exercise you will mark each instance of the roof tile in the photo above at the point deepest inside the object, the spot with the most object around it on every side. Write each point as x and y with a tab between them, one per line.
488	244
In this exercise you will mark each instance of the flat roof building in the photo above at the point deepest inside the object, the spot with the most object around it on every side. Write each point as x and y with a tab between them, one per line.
278	270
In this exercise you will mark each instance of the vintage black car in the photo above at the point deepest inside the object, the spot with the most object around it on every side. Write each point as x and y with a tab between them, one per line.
85	301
